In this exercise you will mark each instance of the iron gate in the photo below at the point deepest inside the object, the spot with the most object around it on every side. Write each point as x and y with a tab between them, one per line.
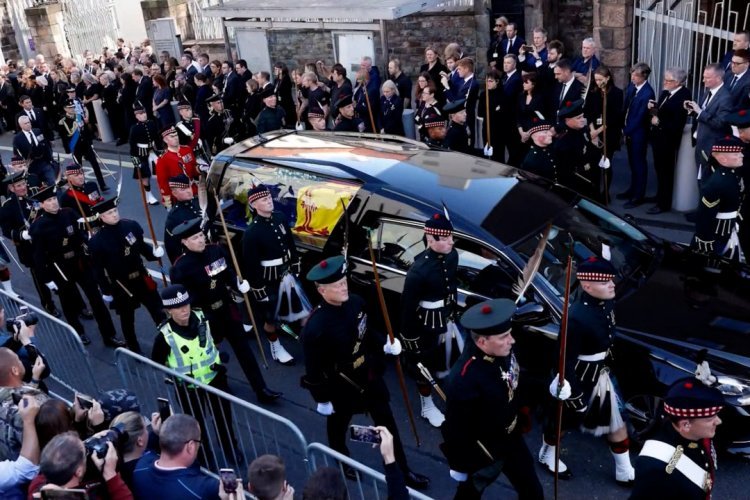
688	34
89	25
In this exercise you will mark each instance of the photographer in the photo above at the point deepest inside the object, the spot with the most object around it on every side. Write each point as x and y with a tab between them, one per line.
140	441
64	463
15	474
19	338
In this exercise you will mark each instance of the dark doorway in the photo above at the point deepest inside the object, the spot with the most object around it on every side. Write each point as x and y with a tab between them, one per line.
512	9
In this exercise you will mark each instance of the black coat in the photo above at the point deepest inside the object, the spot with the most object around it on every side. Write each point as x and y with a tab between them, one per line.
672	117
180	212
208	277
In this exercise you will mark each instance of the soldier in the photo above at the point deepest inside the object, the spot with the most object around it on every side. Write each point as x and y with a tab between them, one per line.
271	265
81	195
427	308
436	129
575	155
457	136
680	461
220	129
175	160
143	149
77	139
58	249
185	207
590	391
189	132
482	388
344	363
204	271
540	160
346	121
271	117
717	225
18	211
116	251
741	119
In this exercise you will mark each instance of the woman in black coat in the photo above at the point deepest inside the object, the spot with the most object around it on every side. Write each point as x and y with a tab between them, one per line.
126	99
434	67
391	110
283	85
531	104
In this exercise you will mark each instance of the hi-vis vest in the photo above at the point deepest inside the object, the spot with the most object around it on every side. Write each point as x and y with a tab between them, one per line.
187	357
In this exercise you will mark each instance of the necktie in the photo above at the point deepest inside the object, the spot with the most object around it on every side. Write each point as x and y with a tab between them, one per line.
510	44
666	98
562	93
31	138
734	80
708	99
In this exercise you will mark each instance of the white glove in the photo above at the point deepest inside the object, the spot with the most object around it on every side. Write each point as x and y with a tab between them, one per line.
394	349
52	286
604	163
325	409
107	298
565	391
299	126
158	252
228	141
459	476
703	373
488	150
247	328
25	235
243	286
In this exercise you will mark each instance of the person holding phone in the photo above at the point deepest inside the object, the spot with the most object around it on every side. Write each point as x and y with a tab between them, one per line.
21	341
14	474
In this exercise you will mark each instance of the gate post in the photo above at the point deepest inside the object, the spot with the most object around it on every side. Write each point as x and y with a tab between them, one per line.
613	21
47	28
685	191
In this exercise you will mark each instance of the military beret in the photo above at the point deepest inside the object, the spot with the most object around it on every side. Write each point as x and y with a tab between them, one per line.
187	228
258	192
728	144
492	317
168	130
71	88
267	91
455	106
118	401
69	103
184	104
344	101
438	225
14	177
741	118
179	181
17	162
595	269
106	205
214	98
538	125
73	168
690	398
174	296
329	270
570	109
45	194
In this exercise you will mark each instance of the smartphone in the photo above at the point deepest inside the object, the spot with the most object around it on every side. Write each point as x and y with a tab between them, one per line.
17	397
364	434
687	106
528	48
228	480
85	402
653	102
164	410
64	494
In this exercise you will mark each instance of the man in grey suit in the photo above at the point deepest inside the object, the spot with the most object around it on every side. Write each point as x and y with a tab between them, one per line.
709	117
737	81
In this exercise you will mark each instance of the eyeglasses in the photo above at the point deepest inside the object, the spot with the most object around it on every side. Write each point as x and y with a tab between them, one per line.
738	63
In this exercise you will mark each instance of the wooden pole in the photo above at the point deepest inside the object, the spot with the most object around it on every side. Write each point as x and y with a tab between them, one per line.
150	223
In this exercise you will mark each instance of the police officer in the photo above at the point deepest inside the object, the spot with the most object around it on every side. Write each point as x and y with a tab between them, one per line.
176	159
271	117
143	148
271	264
221	129
457	136
540	159
589	389
427	307
680	461
116	251
575	155
344	363
205	272
81	195
185	206
59	258
481	430
717	223
77	140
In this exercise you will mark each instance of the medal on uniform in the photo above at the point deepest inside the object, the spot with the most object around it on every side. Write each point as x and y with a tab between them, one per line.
130	238
69	230
216	267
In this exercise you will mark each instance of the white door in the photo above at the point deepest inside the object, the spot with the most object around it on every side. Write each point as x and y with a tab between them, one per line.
351	47
252	46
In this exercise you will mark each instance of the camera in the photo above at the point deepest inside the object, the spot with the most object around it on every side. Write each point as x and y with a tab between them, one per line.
26	316
98	444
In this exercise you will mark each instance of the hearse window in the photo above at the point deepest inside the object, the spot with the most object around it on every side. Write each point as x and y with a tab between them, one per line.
311	202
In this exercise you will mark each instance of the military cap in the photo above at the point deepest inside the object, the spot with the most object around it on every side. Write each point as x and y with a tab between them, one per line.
69	103
258	192
17	162
118	401
45	194
492	317
691	398
740	119
174	296
434	121
570	109
184	104
187	228
267	91
105	205
438	225
538	125
14	177
214	98
71	88
455	106
595	269
168	130
329	270
138	107
180	181
73	168
728	144
344	101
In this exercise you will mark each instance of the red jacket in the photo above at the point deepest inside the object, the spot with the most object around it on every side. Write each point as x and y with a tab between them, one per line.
116	489
170	164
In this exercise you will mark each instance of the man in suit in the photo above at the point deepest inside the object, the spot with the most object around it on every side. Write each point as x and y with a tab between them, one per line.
241	68
30	144
511	87
637	96
567	87
709	117
741	40
546	71
144	92
232	93
587	62
35	115
668	118
737	81
467	89
529	58
512	43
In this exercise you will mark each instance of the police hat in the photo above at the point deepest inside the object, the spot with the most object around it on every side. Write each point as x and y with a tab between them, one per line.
69	104
438	225
105	205
455	106
14	177
595	269
690	398
571	109
180	181
329	270
492	317
45	194
344	101
71	88
138	107
538	125
258	192
73	168
728	144
740	119
184	104
267	91
214	98
174	296
168	130
187	228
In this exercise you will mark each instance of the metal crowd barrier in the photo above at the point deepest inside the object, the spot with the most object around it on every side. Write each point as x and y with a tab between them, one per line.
68	360
370	483
235	432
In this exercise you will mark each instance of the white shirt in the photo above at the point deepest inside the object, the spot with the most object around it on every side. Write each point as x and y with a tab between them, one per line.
13	473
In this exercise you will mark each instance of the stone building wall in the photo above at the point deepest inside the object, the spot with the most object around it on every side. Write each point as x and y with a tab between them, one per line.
8	43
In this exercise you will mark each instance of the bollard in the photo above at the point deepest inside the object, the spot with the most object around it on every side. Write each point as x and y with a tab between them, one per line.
102	122
407	118
686	193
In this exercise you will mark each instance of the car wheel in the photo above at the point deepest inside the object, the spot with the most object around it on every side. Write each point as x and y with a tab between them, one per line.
643	413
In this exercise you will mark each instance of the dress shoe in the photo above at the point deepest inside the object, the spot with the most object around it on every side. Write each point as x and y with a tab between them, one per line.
416	481
84	339
115	342
86	314
654	211
268	395
624	196
633	203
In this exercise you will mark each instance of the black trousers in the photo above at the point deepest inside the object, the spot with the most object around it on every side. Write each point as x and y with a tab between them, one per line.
70	302
665	159
126	307
87	151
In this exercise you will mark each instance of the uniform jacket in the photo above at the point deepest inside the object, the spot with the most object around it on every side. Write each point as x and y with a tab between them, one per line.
541	161
266	238
181	211
88	195
208	277
173	163
59	240
16	212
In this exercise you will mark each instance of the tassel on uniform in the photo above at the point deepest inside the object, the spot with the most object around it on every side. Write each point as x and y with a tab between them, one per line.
290	294
603	415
